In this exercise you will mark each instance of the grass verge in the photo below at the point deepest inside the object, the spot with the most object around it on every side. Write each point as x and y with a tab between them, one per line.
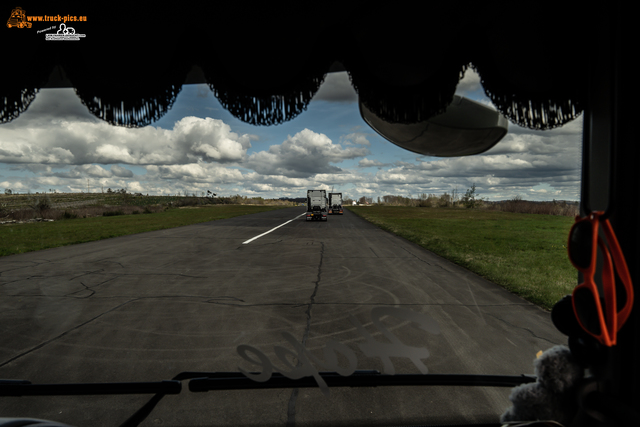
524	253
19	238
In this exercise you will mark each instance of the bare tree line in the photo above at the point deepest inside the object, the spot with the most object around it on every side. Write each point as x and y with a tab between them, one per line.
470	200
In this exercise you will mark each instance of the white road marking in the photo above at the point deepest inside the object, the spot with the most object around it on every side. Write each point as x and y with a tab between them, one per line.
273	229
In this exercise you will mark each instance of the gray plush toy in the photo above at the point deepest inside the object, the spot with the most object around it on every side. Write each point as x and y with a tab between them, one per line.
552	396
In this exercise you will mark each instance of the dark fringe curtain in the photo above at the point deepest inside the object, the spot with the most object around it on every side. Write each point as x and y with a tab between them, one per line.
129	111
123	105
266	110
136	94
530	109
117	107
271	100
534	66
274	79
15	102
131	74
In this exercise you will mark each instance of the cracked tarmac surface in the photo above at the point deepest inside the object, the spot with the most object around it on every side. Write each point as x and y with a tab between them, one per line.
148	306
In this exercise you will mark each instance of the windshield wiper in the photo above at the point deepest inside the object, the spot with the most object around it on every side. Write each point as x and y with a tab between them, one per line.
26	388
206	381
361	378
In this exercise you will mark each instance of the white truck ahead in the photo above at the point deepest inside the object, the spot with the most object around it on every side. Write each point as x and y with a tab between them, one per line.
316	205
335	203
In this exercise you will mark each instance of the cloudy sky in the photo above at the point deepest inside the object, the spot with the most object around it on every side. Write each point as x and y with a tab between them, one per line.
198	146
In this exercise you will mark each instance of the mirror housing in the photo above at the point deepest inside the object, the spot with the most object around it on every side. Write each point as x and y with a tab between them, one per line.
466	127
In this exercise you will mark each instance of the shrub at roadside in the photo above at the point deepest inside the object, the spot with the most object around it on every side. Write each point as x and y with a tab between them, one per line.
69	215
517	205
470	200
39	203
81	212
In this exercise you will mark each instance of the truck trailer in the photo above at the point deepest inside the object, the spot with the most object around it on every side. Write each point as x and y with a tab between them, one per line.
335	203
316	205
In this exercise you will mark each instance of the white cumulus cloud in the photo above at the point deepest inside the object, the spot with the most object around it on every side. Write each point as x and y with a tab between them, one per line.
56	142
305	154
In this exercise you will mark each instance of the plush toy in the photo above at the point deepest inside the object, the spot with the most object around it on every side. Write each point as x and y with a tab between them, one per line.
552	396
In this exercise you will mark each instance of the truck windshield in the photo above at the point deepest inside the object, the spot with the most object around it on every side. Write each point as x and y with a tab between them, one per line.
133	254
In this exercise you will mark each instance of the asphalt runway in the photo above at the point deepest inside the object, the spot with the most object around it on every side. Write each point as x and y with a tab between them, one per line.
148	306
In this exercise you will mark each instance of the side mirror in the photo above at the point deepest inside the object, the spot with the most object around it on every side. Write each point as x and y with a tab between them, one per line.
465	128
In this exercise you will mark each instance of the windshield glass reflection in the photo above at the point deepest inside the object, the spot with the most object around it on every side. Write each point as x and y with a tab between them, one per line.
251	286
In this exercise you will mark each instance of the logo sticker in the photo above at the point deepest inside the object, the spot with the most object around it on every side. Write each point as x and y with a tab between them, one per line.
65	33
18	19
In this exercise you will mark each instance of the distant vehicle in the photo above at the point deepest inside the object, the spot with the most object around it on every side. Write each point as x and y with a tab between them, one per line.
18	19
335	203
316	205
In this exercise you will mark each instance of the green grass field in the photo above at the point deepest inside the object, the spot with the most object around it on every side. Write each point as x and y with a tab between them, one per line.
524	253
19	238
